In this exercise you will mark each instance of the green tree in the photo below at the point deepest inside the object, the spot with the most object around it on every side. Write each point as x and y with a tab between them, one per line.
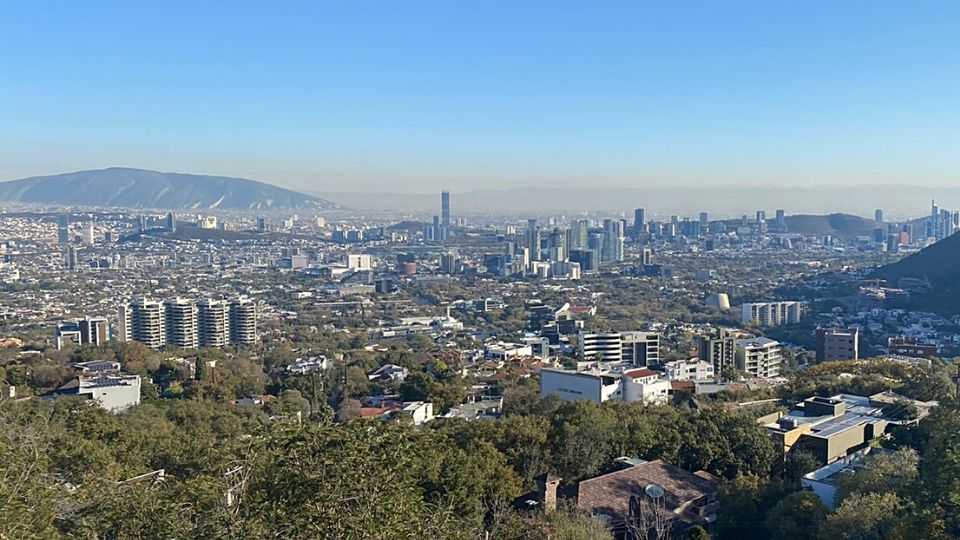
868	516
797	517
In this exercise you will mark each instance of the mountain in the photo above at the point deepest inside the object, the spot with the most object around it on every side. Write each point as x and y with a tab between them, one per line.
937	265
834	224
139	188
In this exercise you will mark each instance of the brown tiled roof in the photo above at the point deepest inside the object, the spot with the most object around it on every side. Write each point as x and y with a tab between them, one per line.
610	494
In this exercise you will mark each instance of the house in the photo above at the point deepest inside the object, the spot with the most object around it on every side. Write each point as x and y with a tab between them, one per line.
98	366
489	407
634	494
388	372
112	392
306	365
832	428
420	411
600	382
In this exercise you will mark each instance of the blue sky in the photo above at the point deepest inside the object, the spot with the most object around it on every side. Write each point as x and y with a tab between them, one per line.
420	95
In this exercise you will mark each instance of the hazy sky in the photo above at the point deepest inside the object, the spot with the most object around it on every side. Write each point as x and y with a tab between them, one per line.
400	95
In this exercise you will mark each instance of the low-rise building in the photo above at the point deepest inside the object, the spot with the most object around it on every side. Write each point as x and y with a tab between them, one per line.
112	392
693	369
759	357
599	383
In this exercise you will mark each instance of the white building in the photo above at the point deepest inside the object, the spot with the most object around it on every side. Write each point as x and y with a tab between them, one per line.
689	370
772	313
638	348
306	365
759	357
420	411
504	351
113	393
359	262
599	385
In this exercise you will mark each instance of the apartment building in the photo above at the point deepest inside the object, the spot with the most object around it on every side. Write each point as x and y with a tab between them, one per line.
759	357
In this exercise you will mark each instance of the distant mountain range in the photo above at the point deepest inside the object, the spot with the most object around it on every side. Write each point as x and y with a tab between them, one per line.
938	265
139	188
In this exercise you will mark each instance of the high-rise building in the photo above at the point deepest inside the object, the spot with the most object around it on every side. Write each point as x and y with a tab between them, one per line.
445	207
641	348
878	215
704	220
579	234
772	313
213	322
533	239
94	331
759	357
88	235
70	258
646	257
448	263
181	324
781	219
63	229
612	240
243	321
261	224
143	320
838	344
717	348
639	222
171	222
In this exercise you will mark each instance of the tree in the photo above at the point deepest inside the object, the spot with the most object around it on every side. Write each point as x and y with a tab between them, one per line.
797	517
862	517
349	409
746	500
883	473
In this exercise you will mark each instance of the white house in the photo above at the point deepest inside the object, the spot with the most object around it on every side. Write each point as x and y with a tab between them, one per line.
420	411
112	392
599	385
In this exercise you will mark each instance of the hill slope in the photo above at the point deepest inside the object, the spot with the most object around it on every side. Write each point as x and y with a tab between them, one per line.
938	265
139	188
834	224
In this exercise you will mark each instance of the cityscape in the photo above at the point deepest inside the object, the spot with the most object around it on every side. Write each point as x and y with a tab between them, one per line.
405	286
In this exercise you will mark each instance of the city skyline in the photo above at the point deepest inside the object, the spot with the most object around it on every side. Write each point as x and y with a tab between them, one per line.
621	95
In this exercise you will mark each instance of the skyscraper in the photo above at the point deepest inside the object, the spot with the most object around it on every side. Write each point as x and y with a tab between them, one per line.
445	207
144	320
171	222
704	219
638	222
88	236
533	239
63	229
70	258
878	214
580	229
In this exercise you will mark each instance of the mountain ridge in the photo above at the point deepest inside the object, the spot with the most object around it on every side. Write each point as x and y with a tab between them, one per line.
142	188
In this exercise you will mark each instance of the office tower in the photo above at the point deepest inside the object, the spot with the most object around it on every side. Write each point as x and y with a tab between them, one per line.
639	222
445	207
70	258
579	234
612	241
63	229
761	216
171	222
181	323
878	215
262	224
717	348
144	320
556	246
533	239
213	323
243	321
759	357
586	258
704	220
94	331
448	263
88	237
838	344
781	219
141	223
646	257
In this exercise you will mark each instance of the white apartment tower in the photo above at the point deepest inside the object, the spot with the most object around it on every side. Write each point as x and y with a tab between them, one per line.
181	316
144	320
243	321
213	322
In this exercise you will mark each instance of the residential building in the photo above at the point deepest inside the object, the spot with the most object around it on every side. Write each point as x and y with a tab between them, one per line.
759	357
113	393
306	365
831	428
838	344
718	348
635	347
772	313
181	323
144	320
599	383
213	322
94	331
912	347
243	321
420	411
693	369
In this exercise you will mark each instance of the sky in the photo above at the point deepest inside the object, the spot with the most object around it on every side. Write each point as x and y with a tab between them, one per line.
416	96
